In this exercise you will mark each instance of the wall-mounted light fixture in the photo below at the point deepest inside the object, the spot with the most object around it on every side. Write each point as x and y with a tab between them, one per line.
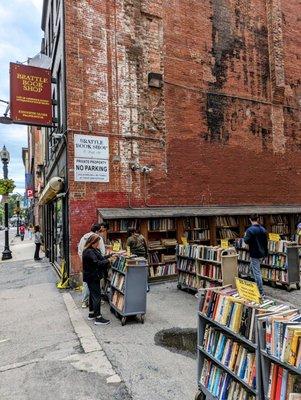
155	80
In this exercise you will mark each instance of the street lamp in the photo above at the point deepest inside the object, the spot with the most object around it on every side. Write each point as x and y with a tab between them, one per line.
6	254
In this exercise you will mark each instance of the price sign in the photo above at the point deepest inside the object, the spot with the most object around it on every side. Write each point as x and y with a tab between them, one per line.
116	247
248	290
224	243
275	237
184	240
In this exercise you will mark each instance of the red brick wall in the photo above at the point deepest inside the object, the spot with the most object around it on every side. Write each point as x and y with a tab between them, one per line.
216	133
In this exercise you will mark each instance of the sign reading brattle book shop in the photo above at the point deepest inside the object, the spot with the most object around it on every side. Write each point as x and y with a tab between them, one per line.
91	158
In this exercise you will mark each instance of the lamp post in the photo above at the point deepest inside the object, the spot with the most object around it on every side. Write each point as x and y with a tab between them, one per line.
6	254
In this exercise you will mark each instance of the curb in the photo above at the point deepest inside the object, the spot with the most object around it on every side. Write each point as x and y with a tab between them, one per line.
88	340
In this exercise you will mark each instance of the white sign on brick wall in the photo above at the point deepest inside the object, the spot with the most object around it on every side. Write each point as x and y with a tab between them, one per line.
91	158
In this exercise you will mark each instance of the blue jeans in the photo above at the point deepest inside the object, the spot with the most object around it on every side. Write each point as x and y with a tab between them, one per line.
86	292
255	268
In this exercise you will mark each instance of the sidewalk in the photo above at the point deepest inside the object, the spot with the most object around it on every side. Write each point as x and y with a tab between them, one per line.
42	358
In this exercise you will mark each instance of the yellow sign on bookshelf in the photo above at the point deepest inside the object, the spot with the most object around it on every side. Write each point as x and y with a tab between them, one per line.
116	246
224	243
275	237
128	251
248	290
184	240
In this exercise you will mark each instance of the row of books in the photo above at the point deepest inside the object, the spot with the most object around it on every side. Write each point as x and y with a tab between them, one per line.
188	280
281	333
243	255
205	284
280	229
275	260
118	300
276	275
231	354
273	246
283	385
278	247
195	223
118	281
120	264
227	233
118	225
226	221
227	308
212	271
184	264
278	220
161	224
210	253
203	235
222	385
163	270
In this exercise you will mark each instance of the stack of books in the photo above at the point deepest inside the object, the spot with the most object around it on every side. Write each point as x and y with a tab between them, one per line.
161	224
226	221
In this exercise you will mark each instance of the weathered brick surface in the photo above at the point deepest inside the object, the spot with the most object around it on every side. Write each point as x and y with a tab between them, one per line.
225	127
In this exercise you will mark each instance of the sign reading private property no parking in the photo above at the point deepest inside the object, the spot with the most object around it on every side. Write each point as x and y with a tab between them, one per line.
91	158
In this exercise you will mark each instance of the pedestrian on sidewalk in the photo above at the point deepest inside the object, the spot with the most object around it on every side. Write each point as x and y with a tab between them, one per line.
22	232
95	228
30	231
94	266
38	240
257	239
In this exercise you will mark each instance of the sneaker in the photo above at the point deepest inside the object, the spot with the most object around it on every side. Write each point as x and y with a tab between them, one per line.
91	316
85	304
101	321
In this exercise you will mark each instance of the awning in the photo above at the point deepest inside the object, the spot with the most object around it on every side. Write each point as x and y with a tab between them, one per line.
197	211
53	187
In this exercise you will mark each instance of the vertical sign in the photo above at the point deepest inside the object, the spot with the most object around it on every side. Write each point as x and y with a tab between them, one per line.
30	95
91	158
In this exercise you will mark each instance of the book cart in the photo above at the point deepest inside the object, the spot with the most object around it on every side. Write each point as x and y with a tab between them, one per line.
216	369
280	268
129	288
200	266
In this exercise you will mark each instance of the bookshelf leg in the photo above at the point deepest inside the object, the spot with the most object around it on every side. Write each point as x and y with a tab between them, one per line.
123	321
298	286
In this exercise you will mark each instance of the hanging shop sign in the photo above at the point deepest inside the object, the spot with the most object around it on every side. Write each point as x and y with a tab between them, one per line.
30	95
91	158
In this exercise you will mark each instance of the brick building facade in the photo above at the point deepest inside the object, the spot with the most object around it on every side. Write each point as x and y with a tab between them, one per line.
222	129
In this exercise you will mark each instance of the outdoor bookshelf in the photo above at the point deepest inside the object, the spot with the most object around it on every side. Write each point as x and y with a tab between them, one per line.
129	287
228	351
281	371
280	268
202	266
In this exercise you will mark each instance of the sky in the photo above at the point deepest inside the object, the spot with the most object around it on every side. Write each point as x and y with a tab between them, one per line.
20	38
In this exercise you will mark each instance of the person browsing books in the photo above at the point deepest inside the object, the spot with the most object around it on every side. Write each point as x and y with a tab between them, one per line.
95	228
94	267
257	239
137	243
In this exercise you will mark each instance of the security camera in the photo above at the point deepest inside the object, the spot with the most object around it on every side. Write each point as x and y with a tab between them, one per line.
146	169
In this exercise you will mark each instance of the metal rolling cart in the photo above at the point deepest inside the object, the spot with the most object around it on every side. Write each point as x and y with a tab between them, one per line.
129	288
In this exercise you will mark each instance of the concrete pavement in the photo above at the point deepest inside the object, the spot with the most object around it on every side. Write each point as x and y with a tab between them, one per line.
42	357
50	351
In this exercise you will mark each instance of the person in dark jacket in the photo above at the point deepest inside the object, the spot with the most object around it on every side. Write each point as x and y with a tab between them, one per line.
94	267
257	239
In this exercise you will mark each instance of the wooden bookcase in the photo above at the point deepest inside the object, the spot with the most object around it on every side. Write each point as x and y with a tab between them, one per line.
202	230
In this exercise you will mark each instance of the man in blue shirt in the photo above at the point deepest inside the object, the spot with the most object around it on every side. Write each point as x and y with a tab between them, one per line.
257	239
